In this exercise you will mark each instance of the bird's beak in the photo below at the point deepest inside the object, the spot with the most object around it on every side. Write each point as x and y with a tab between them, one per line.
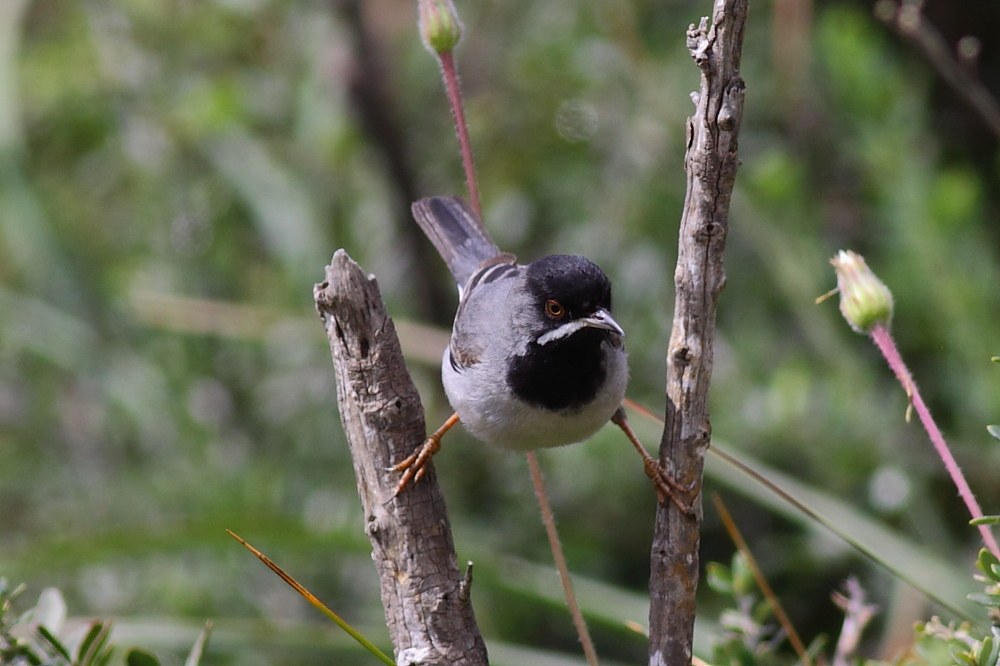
603	319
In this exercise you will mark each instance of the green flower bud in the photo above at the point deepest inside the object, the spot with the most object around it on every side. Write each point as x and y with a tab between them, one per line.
440	28
864	299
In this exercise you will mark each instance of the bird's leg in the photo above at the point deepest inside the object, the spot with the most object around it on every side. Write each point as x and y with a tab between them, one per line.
665	485
415	466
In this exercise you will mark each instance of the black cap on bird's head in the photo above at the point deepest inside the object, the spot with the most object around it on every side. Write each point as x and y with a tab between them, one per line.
571	294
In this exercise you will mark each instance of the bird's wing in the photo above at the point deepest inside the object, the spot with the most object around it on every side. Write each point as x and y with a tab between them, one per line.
483	310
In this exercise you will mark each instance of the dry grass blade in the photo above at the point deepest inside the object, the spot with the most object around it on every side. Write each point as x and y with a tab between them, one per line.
311	598
765	588
560	560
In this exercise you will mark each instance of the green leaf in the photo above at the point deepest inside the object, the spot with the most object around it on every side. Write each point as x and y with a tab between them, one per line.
985	520
743	582
961	657
994	430
986	563
988	600
92	650
103	658
995	359
821	511
21	650
815	648
989	651
138	657
762	612
719	578
92	635
49	638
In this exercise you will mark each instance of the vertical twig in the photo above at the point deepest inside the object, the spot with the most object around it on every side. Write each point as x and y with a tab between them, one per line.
427	607
548	519
711	162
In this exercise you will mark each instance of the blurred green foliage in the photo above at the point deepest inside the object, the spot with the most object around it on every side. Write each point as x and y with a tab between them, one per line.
153	151
40	636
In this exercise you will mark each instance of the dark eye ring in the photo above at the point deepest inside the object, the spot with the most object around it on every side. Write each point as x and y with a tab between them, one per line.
555	310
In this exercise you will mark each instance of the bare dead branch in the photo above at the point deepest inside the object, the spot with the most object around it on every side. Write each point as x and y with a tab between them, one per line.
426	600
711	162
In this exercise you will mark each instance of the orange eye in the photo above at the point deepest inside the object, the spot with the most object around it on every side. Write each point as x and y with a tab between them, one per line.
555	310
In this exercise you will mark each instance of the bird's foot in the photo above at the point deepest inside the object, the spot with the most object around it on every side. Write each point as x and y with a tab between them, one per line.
666	486
415	466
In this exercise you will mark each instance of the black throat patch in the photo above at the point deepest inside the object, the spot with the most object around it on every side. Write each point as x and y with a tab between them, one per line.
562	375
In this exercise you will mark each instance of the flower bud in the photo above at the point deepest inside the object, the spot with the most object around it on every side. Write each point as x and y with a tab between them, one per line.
864	299
440	28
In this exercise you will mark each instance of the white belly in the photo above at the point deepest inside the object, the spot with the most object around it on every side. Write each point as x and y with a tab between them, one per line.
492	413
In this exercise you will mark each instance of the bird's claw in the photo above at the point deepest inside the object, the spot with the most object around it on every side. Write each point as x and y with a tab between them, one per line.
667	486
415	466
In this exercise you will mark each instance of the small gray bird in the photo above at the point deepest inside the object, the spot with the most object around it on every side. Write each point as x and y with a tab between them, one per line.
535	358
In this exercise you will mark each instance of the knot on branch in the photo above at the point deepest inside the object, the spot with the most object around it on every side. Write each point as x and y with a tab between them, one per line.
731	110
698	42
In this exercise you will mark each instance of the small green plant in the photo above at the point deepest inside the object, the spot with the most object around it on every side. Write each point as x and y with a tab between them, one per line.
31	638
749	637
966	647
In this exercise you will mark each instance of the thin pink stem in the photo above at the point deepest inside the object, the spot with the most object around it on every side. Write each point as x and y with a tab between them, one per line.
880	334
461	128
560	559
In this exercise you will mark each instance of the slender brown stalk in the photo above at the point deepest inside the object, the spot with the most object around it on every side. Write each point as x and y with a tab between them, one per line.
312	599
548	519
758	575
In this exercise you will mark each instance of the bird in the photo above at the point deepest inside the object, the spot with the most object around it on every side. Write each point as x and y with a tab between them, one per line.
535	358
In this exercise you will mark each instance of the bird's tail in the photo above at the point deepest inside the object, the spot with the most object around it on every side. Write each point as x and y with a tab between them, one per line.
456	232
